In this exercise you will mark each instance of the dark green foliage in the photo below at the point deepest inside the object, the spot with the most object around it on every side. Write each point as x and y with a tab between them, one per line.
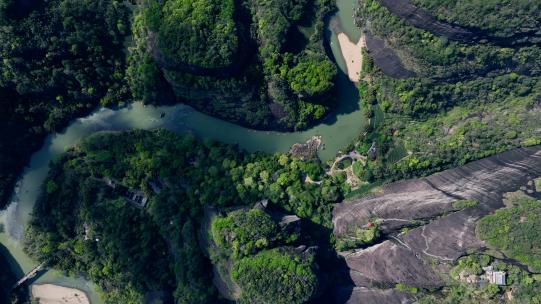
143	250
83	227
515	231
60	59
190	49
245	233
200	33
276	276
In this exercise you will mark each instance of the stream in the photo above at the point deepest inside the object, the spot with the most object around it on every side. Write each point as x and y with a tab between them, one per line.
336	131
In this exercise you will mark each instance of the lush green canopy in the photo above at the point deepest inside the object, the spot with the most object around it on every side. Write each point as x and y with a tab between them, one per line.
275	276
515	231
200	33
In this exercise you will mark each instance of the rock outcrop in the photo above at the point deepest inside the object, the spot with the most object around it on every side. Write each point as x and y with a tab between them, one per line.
356	295
445	233
386	58
423	19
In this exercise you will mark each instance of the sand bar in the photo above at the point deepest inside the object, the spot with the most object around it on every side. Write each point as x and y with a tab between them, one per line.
54	294
352	55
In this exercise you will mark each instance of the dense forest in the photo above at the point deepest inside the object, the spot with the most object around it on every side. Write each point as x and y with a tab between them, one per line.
87	221
256	63
255	250
60	59
515	231
464	100
128	210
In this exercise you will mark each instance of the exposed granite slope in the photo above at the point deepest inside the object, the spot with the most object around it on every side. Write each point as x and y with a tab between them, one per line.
356	295
423	19
386	58
414	257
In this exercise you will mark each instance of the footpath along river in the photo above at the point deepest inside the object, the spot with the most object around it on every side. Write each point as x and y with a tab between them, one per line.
336	131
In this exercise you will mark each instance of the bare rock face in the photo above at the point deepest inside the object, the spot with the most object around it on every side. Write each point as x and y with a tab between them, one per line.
356	295
307	150
423	201
386	264
444	234
386	58
423	19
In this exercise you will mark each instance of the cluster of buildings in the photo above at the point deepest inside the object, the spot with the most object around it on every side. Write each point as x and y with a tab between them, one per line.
490	275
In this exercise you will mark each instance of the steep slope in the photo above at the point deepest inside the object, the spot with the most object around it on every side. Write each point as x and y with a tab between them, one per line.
439	230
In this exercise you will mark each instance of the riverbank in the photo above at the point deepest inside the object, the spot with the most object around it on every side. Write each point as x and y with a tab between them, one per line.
336	131
54	294
352	53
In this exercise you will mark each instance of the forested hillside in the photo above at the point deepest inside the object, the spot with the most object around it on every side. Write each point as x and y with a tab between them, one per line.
454	100
60	59
257	63
86	222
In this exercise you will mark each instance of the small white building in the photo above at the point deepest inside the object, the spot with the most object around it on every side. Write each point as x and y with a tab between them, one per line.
494	277
498	278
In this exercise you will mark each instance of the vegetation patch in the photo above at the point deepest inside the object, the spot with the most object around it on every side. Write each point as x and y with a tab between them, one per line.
276	276
463	204
358	237
229	59
507	18
515	231
89	224
60	60
201	33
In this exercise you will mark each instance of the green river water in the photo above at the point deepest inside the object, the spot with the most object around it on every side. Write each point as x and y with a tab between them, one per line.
336	131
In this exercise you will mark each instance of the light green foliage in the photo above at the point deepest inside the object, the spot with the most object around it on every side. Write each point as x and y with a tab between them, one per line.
358	169
276	276
459	205
358	236
312	75
406	288
245	233
515	231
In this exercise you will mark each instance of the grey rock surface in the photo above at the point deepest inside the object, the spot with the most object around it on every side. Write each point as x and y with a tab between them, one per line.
356	295
417	256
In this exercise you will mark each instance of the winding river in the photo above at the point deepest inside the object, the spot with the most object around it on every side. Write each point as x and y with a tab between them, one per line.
336	131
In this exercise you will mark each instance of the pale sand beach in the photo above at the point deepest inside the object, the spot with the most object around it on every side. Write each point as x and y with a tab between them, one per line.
352	55
54	294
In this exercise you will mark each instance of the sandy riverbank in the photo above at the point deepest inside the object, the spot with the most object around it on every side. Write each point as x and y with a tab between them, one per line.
54	294
352	55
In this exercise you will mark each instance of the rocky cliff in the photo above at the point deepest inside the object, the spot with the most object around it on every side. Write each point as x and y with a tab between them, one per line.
438	233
